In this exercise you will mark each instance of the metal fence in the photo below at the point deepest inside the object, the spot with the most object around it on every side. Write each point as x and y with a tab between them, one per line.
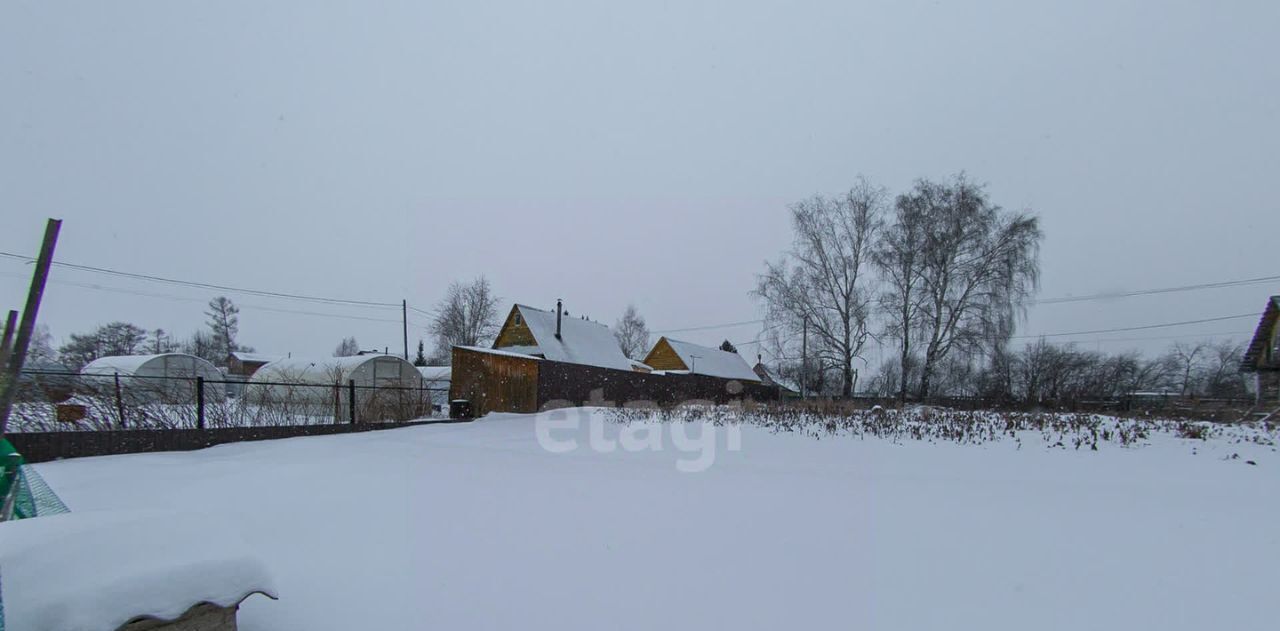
61	401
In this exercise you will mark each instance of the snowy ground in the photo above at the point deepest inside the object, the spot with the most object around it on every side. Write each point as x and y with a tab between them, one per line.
480	527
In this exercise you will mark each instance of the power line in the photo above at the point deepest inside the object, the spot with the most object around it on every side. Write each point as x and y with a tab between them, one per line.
185	283
710	327
1145	327
146	294
1162	290
1053	301
1138	328
429	314
1164	337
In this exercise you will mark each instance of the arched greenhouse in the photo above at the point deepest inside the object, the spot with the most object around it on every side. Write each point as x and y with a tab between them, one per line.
164	378
386	387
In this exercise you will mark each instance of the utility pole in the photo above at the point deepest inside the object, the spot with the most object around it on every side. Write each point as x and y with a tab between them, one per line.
404	319
804	359
28	324
10	327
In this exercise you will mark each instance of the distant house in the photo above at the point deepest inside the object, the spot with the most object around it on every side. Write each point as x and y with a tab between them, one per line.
768	379
544	334
245	364
546	359
1262	358
674	355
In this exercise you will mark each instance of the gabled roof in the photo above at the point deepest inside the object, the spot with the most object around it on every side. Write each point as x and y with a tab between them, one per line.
581	341
768	379
1257	351
713	362
257	358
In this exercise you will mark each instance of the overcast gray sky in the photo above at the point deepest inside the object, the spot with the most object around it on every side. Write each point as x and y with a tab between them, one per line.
610	153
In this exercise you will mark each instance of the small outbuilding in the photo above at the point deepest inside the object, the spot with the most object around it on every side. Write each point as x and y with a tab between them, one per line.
435	379
163	378
1262	357
245	364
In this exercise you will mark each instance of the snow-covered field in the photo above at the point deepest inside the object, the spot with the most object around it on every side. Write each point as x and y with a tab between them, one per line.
480	526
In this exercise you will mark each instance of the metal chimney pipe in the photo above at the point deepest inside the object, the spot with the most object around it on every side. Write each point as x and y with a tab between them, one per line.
559	312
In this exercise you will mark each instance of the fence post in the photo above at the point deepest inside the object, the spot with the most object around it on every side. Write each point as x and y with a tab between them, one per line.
199	402
351	397
120	403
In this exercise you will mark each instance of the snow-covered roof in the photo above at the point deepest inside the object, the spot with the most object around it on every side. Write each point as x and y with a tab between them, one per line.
316	370
768	378
130	364
123	364
257	358
98	570
581	341
436	373
704	360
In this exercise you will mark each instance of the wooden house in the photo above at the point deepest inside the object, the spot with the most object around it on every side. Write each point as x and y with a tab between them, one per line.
676	356
768	379
557	337
1262	357
545	359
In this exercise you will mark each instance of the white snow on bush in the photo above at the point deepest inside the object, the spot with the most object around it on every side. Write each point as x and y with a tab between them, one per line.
477	526
97	570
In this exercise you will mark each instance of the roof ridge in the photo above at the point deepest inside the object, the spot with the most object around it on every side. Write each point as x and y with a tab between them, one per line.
714	348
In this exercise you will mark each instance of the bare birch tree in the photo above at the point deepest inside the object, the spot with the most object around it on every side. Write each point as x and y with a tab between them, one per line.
468	316
1189	357
632	333
978	267
898	256
823	278
1222	376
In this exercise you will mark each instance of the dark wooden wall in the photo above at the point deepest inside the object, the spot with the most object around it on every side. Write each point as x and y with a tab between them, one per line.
575	384
494	382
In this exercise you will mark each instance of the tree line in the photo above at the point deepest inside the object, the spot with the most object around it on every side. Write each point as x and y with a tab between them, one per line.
214	342
941	274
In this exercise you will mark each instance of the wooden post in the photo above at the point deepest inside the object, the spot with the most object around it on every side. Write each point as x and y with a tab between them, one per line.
404	320
6	345
199	402
351	397
120	403
34	294
804	359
